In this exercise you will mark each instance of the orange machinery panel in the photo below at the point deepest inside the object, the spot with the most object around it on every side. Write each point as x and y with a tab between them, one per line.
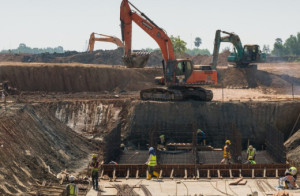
203	77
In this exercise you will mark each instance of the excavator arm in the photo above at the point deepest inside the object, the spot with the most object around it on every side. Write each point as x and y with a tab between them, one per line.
127	16
231	38
104	38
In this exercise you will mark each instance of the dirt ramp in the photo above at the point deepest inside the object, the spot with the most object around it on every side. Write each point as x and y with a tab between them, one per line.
76	77
252	78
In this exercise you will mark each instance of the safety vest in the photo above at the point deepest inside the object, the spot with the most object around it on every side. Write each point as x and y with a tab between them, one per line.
251	152
291	180
95	165
226	154
152	161
72	189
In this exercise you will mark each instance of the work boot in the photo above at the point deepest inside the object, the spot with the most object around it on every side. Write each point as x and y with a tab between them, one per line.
149	177
156	174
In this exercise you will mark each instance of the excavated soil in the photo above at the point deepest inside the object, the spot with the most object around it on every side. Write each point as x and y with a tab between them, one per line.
35	147
292	146
67	111
70	78
109	57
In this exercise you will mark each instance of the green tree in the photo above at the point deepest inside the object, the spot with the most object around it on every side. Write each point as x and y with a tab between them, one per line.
278	47
179	45
292	45
197	42
25	49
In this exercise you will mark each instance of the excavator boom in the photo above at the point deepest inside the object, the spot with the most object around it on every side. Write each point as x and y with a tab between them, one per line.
104	38
179	74
158	34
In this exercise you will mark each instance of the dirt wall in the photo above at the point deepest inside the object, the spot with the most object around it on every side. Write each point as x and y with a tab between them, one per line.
36	146
76	77
92	78
176	120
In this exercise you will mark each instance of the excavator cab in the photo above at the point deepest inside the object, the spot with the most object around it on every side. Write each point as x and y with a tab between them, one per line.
183	71
252	52
177	71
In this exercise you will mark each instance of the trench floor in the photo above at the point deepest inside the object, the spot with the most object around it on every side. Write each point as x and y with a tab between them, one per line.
166	187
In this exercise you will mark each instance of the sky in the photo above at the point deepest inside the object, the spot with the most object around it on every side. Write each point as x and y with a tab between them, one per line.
69	23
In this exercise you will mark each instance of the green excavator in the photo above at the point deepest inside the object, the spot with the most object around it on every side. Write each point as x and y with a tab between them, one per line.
242	56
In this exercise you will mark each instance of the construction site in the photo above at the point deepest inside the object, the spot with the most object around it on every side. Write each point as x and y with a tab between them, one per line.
59	110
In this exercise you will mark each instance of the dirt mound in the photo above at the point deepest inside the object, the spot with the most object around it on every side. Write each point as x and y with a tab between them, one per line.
108	57
112	57
292	146
206	60
252	78
36	146
155	59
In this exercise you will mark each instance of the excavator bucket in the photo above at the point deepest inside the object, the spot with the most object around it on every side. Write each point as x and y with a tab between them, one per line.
136	60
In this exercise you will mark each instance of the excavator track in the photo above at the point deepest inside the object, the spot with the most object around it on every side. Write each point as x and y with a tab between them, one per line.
177	93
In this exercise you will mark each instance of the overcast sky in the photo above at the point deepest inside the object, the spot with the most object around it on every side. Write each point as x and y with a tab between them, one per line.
68	23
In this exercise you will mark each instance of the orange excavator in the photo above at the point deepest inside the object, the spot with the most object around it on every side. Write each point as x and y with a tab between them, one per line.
104	38
180	76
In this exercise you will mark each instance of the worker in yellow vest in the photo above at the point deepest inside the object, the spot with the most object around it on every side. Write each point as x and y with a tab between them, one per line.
94	166
151	164
71	188
251	154
227	155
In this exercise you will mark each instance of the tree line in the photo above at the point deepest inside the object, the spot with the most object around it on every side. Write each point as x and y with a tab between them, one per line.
25	49
291	46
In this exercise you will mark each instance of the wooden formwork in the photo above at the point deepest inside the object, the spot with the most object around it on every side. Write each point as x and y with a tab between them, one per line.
196	171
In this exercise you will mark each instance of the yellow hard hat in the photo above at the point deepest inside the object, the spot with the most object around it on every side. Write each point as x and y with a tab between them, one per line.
199	130
228	142
94	155
162	136
250	147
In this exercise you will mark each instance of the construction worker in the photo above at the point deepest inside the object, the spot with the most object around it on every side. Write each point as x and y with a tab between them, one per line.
94	165
227	155
251	154
151	164
72	188
293	171
200	136
287	182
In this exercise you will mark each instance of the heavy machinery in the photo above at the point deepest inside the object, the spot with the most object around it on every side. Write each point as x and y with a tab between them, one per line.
243	56
180	76
104	38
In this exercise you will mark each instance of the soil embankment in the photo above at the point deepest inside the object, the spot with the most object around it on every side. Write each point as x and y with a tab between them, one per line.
109	57
36	146
76	77
292	146
70	78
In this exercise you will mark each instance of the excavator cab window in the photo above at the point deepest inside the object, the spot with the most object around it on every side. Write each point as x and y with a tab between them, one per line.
183	68
179	68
